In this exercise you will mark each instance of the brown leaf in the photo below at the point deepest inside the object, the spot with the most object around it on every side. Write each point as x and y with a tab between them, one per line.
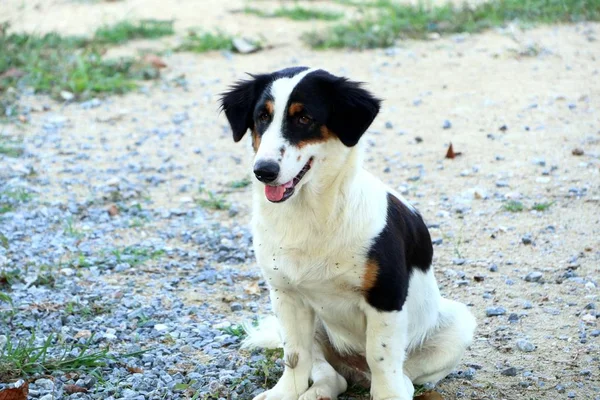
19	393
252	288
135	370
451	154
113	210
431	395
84	333
155	61
577	152
74	389
12	73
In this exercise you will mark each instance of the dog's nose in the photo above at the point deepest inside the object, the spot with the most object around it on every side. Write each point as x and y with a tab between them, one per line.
266	171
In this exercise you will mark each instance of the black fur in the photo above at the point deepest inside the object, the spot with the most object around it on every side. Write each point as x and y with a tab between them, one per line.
402	245
239	102
338	103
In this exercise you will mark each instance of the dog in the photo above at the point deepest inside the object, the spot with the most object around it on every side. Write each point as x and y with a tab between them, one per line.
347	259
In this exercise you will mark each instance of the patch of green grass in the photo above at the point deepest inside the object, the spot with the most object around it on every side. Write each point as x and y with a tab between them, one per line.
358	391
235	330
20	195
6	313
9	276
91	310
242	183
71	230
513	206
296	13
9	147
53	63
394	21
10	198
268	369
542	206
196	42
213	201
25	358
125	31
136	255
45	277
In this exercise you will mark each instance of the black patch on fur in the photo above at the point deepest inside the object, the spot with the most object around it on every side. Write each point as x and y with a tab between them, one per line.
341	105
240	100
402	245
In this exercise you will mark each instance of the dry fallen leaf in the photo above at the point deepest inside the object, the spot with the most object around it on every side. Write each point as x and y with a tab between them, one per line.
135	370
252	288
84	333
19	393
155	61
431	395
451	153
12	73
74	389
113	210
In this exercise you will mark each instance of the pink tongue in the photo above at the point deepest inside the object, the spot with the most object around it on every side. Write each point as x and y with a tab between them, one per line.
274	193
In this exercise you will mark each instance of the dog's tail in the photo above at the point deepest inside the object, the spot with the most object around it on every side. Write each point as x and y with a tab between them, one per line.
265	335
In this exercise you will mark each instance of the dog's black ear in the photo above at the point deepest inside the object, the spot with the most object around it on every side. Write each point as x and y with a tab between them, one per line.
239	102
352	109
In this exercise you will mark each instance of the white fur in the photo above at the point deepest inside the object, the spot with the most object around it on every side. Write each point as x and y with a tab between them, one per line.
312	250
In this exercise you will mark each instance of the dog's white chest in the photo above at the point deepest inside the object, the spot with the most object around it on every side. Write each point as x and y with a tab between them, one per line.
330	284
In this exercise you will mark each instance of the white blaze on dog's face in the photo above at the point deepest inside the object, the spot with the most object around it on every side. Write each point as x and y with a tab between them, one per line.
293	114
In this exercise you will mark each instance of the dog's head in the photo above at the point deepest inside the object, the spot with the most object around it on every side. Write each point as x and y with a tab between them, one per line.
297	117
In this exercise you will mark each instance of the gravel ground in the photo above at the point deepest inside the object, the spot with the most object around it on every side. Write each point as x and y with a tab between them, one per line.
116	241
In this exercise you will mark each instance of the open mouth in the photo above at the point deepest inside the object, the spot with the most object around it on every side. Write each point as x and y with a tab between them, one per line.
280	193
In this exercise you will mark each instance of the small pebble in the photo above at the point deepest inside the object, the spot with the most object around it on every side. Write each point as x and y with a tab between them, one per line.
534	276
525	345
495	311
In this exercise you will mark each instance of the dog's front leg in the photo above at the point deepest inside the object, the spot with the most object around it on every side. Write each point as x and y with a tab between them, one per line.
385	348
297	322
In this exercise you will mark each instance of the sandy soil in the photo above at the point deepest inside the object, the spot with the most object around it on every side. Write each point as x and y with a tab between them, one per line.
509	109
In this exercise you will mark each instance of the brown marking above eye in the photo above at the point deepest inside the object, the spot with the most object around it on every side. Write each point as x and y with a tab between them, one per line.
270	107
295	108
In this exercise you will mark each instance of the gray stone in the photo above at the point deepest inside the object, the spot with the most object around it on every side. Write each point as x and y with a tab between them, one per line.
511	371
525	346
534	276
526	239
45	384
495	311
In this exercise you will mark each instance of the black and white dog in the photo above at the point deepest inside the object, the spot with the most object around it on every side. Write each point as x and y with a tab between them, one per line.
347	260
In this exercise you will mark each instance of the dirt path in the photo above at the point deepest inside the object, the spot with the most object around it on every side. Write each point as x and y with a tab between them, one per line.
518	103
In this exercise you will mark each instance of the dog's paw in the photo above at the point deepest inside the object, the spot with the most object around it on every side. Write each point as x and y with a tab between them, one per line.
276	394
318	393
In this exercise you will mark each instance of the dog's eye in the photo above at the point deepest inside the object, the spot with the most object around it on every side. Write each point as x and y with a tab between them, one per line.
263	117
304	120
